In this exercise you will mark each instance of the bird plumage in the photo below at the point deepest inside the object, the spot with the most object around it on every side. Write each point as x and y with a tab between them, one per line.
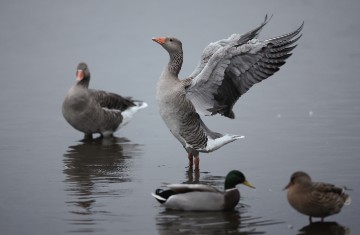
315	199
200	197
95	111
227	69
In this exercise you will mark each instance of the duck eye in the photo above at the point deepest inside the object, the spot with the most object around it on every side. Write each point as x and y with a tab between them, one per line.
171	40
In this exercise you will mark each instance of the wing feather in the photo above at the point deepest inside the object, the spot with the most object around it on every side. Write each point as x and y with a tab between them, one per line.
184	188
235	39
232	69
110	100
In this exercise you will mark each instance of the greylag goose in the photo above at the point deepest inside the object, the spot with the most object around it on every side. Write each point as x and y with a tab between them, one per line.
227	69
315	199
95	111
200	197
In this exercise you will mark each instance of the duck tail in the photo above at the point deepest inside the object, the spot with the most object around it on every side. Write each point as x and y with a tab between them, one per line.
158	198
161	195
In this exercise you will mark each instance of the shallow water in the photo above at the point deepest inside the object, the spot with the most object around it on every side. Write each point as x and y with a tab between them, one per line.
305	117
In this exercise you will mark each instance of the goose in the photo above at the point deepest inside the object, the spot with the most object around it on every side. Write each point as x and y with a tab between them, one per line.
228	69
315	199
96	111
201	197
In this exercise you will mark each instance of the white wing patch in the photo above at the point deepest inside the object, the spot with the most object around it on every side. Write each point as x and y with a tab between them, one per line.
129	113
213	144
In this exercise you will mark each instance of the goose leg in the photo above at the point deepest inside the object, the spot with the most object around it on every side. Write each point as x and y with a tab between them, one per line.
310	219
191	160
197	161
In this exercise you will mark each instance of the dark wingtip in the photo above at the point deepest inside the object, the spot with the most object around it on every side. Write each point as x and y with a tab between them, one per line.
253	33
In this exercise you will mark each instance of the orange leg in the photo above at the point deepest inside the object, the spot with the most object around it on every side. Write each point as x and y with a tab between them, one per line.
191	160
197	162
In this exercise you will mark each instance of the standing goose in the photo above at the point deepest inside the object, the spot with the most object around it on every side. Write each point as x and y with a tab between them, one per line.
227	69
315	199
95	111
200	197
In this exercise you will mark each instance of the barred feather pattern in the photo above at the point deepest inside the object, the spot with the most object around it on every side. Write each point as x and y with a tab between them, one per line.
235	67
190	127
264	64
111	100
175	63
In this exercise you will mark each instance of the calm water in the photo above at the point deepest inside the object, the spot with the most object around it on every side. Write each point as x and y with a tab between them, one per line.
306	117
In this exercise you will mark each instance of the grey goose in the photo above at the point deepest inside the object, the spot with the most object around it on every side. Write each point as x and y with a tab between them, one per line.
95	111
228	69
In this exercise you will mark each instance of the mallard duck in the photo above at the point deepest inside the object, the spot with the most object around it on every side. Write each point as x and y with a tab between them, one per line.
200	197
95	111
227	70
315	199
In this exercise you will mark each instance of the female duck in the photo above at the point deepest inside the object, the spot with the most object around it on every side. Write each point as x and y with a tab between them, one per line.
315	199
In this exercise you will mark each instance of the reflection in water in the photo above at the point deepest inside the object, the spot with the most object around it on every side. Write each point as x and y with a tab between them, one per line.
90	168
227	222
324	228
236	221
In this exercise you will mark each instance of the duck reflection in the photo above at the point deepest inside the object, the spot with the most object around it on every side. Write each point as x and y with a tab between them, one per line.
186	222
324	228
91	165
226	222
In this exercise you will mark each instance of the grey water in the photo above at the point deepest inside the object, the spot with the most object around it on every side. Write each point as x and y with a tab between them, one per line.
305	117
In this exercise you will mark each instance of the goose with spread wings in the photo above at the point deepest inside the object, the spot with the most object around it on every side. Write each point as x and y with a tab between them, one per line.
228	69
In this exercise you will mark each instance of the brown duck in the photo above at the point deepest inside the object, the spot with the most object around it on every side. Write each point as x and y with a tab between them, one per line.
315	199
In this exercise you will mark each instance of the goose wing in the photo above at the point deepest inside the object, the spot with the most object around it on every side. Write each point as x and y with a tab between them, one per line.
234	68
111	101
235	39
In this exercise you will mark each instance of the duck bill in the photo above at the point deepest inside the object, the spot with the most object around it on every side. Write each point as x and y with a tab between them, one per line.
247	183
79	75
288	186
160	40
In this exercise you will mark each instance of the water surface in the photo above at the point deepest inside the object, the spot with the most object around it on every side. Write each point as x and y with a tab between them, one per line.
305	117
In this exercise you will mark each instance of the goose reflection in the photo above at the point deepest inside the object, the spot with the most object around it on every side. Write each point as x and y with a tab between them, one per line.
91	165
324	228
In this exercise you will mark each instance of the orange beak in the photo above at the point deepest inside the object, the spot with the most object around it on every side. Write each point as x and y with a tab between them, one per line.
79	75
159	40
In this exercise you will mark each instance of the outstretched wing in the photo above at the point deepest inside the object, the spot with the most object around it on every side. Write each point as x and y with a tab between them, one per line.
233	69
235	39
